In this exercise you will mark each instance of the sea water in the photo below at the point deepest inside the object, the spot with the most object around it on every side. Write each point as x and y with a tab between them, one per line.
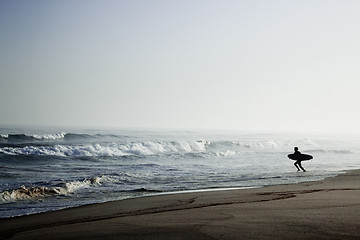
49	169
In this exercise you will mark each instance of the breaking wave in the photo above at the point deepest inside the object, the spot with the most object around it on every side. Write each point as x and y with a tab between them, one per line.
26	193
114	149
148	148
29	193
32	137
23	193
26	137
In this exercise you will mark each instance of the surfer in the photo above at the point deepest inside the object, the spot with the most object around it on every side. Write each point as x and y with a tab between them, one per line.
297	164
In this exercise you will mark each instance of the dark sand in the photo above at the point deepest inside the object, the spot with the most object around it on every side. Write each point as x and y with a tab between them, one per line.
328	209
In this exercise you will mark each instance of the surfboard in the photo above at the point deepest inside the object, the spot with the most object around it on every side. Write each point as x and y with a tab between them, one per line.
302	157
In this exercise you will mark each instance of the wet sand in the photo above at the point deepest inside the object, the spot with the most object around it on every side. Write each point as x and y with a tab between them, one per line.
328	209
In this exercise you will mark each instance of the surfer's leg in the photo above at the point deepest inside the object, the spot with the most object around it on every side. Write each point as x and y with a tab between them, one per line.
301	166
295	164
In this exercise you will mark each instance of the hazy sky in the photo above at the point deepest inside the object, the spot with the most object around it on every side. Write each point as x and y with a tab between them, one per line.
247	65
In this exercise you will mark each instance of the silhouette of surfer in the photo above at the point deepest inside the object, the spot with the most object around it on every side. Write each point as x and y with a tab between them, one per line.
297	164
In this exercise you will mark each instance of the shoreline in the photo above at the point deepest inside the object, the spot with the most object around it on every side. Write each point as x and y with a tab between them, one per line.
161	193
325	209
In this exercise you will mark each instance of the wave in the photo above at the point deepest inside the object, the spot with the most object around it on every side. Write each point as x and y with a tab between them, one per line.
199	148
29	193
334	151
26	193
107	145
99	138
23	193
226	153
25	137
114	149
260	144
77	136
272	144
32	137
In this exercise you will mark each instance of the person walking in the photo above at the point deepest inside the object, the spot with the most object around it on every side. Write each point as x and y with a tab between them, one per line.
297	155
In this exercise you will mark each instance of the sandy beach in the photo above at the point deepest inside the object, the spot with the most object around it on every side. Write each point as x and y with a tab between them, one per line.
327	209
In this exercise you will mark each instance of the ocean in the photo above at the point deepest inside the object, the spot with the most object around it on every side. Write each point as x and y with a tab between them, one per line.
46	169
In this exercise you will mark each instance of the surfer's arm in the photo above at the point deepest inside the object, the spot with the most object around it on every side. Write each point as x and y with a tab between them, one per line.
297	153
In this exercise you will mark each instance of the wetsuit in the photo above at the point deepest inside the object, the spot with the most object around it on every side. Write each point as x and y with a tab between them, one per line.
297	164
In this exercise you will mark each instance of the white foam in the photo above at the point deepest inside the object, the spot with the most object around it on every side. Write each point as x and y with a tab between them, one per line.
268	144
24	193
71	187
36	136
115	149
226	153
48	136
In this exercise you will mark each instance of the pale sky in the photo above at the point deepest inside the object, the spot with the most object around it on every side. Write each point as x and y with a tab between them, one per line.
199	64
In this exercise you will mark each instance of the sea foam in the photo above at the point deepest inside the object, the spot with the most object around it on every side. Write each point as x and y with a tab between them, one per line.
24	192
114	149
23	136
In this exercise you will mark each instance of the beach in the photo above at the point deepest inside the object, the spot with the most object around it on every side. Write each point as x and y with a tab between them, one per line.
179	120
326	209
46	170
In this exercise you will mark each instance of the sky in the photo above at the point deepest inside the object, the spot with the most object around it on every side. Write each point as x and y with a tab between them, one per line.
193	64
